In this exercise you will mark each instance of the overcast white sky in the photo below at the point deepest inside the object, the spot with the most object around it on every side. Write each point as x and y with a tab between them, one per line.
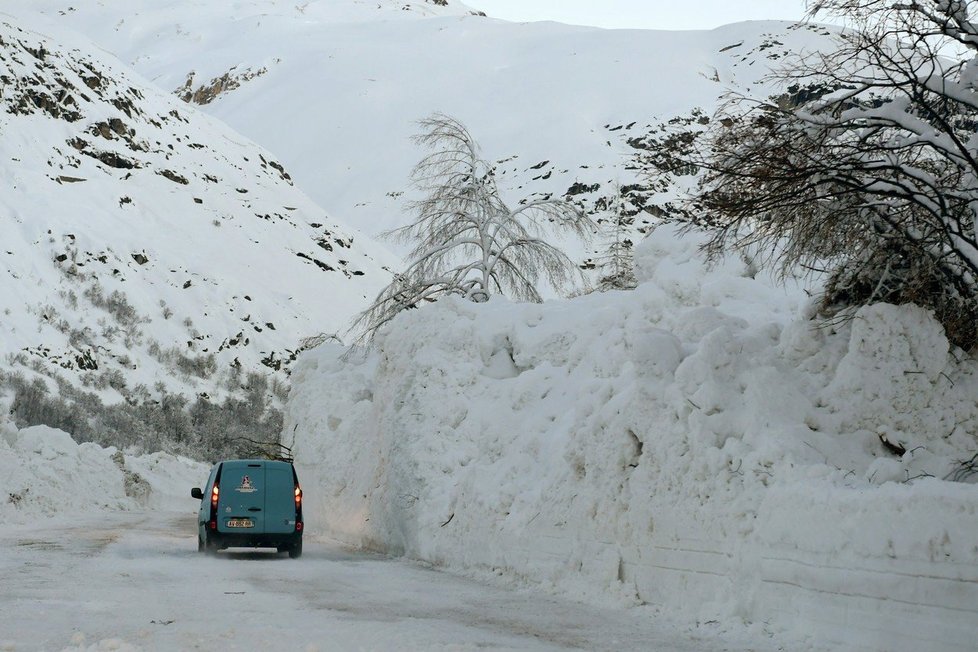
643	14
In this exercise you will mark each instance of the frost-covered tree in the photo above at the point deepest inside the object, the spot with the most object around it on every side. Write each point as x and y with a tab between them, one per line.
615	265
467	240
867	167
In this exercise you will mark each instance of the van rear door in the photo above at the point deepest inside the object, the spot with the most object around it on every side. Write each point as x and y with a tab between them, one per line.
242	498
279	498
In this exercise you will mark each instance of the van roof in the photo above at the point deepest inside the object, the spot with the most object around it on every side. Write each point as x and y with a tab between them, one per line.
253	461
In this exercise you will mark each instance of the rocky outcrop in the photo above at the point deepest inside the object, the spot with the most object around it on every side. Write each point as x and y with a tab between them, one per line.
206	93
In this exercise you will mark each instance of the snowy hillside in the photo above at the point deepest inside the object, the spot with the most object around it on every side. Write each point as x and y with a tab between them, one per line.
699	444
148	248
563	109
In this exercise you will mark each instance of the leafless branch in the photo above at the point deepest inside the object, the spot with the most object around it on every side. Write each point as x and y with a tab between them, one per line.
467	240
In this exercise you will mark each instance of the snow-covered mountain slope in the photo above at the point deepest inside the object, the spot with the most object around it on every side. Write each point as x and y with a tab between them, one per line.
144	242
335	89
699	444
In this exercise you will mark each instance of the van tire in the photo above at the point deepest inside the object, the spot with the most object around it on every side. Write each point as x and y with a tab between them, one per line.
206	545
296	550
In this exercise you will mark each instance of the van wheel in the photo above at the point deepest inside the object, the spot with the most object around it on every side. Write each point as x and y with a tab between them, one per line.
207	545
296	550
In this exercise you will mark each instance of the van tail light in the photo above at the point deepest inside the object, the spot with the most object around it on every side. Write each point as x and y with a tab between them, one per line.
298	502
298	506
215	494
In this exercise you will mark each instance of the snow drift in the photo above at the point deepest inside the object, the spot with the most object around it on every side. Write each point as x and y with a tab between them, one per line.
700	444
44	473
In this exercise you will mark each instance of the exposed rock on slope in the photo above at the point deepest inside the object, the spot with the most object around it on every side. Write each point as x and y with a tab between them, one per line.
206	93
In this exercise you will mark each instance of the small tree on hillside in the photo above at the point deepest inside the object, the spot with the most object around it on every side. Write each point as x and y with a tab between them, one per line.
868	166
616	267
468	241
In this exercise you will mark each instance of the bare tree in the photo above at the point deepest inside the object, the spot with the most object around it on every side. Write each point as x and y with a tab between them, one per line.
468	241
867	167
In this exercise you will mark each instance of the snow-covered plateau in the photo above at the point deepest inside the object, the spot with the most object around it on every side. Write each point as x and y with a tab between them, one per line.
701	444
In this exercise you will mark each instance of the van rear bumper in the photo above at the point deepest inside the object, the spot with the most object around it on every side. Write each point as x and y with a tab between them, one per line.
253	539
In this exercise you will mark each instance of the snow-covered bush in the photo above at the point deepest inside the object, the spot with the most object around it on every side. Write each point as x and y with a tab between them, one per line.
205	429
865	167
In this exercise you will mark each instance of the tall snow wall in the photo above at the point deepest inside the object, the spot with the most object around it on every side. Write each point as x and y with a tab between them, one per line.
699	444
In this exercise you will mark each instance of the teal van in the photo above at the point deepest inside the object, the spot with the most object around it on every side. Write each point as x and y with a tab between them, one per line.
250	503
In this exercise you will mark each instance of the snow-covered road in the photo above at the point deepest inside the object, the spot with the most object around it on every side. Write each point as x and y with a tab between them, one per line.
135	581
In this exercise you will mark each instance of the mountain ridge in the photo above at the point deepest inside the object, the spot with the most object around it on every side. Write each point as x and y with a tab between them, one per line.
559	108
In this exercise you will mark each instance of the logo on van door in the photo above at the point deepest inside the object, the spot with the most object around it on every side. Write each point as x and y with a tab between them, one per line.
246	487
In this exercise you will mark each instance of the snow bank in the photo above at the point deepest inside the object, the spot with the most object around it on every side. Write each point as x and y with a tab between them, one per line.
698	444
44	473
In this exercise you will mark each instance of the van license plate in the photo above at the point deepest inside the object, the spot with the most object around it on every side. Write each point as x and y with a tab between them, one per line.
240	522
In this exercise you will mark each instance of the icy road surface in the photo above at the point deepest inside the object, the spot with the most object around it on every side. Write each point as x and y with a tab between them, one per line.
135	581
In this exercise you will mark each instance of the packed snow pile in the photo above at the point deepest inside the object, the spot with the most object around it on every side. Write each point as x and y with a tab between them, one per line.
44	473
701	443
